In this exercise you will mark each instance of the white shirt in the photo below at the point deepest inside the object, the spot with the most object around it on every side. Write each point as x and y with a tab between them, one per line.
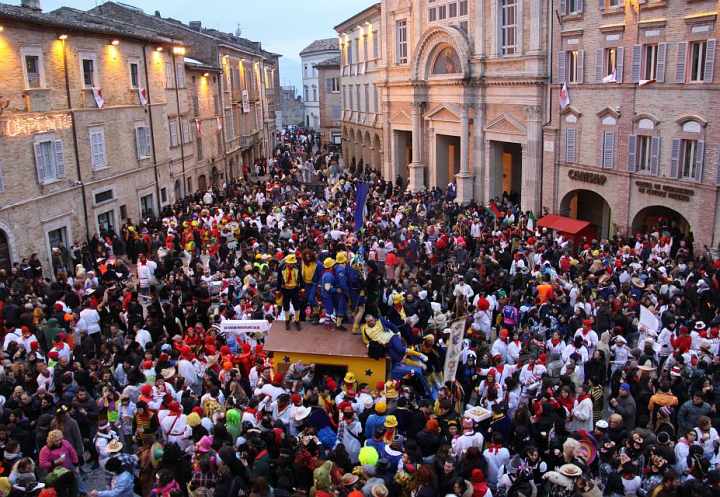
146	272
143	337
461	444
91	321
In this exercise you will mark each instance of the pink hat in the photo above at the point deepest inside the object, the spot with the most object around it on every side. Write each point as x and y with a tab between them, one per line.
205	444
468	424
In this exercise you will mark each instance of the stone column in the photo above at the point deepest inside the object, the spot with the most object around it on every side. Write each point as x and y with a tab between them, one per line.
479	42
464	178
532	161
417	168
479	168
536	19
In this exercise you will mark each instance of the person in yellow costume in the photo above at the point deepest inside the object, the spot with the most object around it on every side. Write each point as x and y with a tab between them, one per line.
289	285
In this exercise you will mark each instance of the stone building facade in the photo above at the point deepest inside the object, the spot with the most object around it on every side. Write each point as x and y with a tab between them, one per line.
318	51
291	107
640	138
330	101
363	72
463	97
102	122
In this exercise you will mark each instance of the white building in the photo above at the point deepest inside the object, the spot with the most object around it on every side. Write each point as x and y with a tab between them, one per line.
318	51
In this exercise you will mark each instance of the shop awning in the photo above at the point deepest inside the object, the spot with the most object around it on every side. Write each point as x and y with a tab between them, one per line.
563	224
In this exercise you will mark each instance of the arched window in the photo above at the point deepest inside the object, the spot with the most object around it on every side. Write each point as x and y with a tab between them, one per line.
446	62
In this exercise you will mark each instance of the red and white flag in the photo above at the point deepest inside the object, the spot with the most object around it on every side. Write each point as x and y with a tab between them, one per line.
219	124
142	96
564	96
610	78
99	100
198	127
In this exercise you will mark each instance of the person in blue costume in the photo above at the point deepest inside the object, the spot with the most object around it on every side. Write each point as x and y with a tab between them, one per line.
342	289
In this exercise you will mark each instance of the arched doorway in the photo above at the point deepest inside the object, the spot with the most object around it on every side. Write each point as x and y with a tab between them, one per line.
202	183
377	154
5	259
588	206
214	176
232	169
663	219
178	190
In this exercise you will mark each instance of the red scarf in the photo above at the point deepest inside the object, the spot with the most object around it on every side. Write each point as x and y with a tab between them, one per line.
493	447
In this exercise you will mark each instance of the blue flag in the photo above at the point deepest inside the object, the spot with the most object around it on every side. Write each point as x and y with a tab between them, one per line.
361	195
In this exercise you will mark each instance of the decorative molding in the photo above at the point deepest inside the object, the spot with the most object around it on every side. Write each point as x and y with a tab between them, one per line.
506	124
443	113
612	28
571	32
687	118
427	46
400	117
701	17
608	111
653	23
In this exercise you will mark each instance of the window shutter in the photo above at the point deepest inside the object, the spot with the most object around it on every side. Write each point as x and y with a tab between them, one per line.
59	159
39	163
570	145
601	5
562	66
632	153
146	141
579	5
173	133
655	156
680	64
608	156
619	64
675	159
636	62
598	65
661	58
699	161
581	66
709	61
717	167
563	7
138	143
2	178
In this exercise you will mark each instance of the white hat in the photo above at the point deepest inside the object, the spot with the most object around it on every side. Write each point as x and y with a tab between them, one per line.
301	413
602	424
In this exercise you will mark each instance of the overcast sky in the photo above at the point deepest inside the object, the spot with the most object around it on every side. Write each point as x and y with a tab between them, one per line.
282	26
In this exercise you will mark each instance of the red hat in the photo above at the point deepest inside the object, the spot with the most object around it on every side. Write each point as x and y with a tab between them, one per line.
587	322
58	306
147	364
296	399
146	390
197	410
483	304
34	345
331	384
174	407
210	349
504	333
345	406
277	378
60	337
432	425
380	386
53	354
224	350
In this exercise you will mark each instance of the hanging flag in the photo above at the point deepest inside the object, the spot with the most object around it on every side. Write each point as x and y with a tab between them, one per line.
454	348
610	78
644	82
564	96
142	96
99	100
531	222
219	124
198	127
361	195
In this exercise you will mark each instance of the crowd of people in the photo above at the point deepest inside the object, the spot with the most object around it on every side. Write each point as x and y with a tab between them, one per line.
586	368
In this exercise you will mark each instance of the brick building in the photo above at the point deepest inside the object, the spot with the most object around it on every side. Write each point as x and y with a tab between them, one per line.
292	109
104	121
249	86
640	137
330	101
363	71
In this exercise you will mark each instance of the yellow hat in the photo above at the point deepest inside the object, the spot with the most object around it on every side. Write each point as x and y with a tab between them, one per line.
341	258
391	390
193	419
258	257
194	224
349	377
397	298
380	407
391	421
291	259
5	486
328	263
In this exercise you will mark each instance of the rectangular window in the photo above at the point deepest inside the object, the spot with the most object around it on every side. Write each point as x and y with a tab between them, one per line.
305	93
200	152
173	128
33	67
452	10
314	93
186	133
432	14
333	85
180	69
123	212
106	222
170	77
229	125
651	58
688	158
698	54
58	238
572	66
367	97
463	8
574	6
401	52
570	145
88	66
611	61
613	3
104	196
163	195
134	74
142	141
644	144
376	44
49	158
608	149
146	206
97	148
376	99
508	27
365	48
442	12
357	96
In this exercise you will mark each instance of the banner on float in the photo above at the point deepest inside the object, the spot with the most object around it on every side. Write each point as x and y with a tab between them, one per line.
454	347
244	326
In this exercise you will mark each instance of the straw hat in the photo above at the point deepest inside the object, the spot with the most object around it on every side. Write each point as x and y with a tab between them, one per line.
570	470
379	491
648	366
349	479
115	445
167	373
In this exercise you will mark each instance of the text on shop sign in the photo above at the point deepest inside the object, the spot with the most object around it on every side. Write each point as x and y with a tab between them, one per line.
664	191
586	177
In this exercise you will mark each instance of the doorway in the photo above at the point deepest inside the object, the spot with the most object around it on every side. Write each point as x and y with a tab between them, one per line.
666	221
202	183
447	159
403	153
588	206
506	164
5	260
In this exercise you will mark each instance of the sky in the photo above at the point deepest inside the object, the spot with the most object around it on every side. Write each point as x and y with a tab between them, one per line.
282	26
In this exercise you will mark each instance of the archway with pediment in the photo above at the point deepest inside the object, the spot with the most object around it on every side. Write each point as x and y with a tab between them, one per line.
443	51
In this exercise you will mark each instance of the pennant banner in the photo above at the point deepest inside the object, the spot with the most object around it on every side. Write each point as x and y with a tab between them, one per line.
142	96
454	348
99	100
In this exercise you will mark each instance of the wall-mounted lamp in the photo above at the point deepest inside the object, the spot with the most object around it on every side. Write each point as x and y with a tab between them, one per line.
179	50
63	37
115	43
159	49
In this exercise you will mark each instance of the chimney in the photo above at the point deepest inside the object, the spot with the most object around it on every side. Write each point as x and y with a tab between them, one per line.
196	25
32	5
157	13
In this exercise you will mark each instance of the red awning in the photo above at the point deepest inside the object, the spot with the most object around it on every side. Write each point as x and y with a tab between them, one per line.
563	224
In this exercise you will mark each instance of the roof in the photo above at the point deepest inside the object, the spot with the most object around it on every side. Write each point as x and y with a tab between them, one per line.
331	62
77	20
564	224
351	21
196	64
324	45
315	340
